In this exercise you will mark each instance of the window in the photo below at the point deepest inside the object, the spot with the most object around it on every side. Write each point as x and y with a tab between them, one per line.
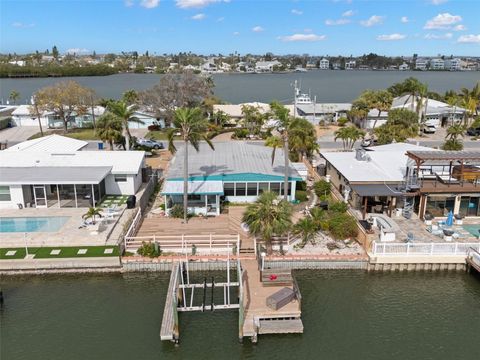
120	178
440	205
289	188
5	193
240	189
252	189
262	187
194	197
229	189
275	188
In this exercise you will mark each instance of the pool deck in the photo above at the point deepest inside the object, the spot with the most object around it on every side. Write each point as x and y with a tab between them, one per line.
68	235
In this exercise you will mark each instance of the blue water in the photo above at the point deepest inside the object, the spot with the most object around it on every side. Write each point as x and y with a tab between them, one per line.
32	224
473	229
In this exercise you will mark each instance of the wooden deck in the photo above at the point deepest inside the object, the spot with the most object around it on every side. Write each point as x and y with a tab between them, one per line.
169	328
259	318
436	186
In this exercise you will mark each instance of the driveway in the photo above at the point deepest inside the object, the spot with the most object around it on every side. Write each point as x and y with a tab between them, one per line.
17	134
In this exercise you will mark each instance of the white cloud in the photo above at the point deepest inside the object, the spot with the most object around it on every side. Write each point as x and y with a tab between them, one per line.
78	51
373	20
404	19
445	36
391	37
236	33
302	37
258	29
187	4
443	21
437	2
20	25
330	22
296	12
459	27
128	3
149	4
348	13
198	17
469	39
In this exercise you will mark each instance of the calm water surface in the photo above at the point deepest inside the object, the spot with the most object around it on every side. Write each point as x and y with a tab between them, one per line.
328	86
346	314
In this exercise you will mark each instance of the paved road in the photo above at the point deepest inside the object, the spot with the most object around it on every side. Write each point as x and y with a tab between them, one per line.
17	134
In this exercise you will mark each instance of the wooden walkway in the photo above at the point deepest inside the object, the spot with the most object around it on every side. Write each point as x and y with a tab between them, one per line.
259	318
169	329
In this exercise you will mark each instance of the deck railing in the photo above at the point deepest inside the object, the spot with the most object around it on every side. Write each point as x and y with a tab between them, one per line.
430	249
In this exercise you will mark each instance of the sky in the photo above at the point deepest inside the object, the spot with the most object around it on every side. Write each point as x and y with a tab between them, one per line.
315	27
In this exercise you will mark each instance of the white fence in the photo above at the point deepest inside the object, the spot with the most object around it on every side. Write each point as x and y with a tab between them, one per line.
409	249
210	244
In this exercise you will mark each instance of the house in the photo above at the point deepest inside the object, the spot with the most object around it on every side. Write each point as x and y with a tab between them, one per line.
317	112
421	64
18	62
235	171
234	111
266	66
148	118
67	178
368	179
437	64
324	64
404	67
50	143
350	65
454	64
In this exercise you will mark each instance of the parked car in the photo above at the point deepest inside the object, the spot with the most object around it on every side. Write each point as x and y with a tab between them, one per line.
428	129
368	141
473	131
152	144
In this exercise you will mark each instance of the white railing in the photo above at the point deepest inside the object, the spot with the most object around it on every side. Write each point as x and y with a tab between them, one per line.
211	244
409	249
133	228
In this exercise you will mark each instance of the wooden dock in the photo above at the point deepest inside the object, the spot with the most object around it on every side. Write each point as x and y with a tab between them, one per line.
258	318
169	329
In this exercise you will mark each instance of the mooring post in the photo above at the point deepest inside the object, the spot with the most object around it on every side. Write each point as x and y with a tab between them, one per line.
204	293
213	287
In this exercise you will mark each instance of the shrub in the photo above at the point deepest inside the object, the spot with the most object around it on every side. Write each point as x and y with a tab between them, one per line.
240	133
301	185
149	249
342	121
301	195
177	211
342	226
322	188
338	207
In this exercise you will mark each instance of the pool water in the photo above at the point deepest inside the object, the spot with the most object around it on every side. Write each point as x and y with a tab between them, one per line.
32	224
473	229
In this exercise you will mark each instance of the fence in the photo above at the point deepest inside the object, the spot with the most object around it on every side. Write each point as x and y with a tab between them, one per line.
435	249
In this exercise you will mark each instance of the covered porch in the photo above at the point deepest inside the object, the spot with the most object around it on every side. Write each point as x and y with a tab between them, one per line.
203	196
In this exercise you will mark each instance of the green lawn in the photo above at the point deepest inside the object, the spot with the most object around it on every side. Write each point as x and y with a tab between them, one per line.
156	135
80	134
65	252
111	200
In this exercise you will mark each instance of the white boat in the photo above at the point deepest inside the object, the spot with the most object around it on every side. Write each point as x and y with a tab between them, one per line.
300	69
303	99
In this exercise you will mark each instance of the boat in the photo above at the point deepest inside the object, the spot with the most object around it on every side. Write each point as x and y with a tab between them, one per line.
304	99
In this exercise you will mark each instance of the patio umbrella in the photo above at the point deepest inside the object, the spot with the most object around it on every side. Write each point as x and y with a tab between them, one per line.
449	221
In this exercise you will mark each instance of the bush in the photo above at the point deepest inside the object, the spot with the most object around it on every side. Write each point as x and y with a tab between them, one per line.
4	123
322	188
342	121
177	211
240	133
149	249
301	195
338	207
342	226
301	185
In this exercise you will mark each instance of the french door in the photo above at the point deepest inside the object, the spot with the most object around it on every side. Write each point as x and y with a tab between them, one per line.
40	196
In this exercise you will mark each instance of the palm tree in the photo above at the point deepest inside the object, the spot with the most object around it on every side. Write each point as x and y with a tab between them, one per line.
380	100
92	213
109	128
284	120
307	229
302	140
268	217
191	125
14	96
452	100
452	140
125	114
349	135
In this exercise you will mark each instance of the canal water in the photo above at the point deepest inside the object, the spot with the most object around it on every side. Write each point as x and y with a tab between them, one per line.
328	86
346	314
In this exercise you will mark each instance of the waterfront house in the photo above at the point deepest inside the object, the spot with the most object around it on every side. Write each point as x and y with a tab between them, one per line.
421	64
324	64
266	66
454	64
350	65
437	64
235	171
60	178
317	112
404	67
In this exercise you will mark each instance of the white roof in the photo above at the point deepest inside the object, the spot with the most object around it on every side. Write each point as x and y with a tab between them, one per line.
386	163
433	106
122	162
50	143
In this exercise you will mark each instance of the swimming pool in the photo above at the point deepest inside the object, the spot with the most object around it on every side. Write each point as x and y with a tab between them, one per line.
473	229
32	224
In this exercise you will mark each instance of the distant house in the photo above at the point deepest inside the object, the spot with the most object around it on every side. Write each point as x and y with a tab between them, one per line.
404	67
234	172
454	64
437	64
18	62
209	67
148	118
350	65
324	64
421	64
266	66
317	112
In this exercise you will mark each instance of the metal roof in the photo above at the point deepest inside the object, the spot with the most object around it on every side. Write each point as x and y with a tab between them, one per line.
444	155
229	159
376	189
194	187
50	143
53	175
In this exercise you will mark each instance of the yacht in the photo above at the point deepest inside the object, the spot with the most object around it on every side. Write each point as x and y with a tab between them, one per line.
304	99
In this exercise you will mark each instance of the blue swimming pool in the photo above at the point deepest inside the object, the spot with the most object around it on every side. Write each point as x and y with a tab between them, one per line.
32	224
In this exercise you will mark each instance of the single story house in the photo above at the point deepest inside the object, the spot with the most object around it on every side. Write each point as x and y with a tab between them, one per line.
67	178
235	171
50	143
316	112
